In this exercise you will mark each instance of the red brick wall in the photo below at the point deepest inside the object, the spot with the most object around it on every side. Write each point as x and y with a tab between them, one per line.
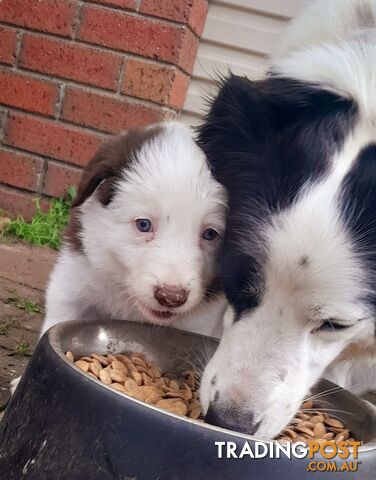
72	72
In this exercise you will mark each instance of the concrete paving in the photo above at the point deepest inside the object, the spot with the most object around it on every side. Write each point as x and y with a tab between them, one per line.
24	272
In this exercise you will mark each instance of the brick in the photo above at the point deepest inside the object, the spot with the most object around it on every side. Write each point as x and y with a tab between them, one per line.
129	4
72	61
106	113
165	85
193	12
20	170
59	178
143	36
8	44
53	16
52	139
19	203
28	93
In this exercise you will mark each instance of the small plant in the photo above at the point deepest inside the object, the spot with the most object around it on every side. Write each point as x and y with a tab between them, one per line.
45	228
6	326
24	303
23	349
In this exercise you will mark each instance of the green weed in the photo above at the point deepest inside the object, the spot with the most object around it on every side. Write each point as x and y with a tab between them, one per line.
45	228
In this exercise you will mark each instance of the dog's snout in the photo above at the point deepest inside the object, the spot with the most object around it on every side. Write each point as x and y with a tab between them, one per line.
232	418
171	296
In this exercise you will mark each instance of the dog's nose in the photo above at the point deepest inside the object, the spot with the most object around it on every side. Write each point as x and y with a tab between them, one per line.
238	420
171	296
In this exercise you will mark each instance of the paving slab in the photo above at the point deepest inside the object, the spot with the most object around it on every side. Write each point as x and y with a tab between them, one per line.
24	272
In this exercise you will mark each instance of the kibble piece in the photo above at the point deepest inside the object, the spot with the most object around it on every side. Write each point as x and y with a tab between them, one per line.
138	361
305	430
82	365
195	413
103	360
319	429
146	380
317	419
118	386
130	384
95	369
70	356
142	392
87	359
117	365
118	375
174	386
137	377
333	422
104	377
155	371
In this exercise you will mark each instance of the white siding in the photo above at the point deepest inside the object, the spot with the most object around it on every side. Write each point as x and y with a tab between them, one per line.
238	35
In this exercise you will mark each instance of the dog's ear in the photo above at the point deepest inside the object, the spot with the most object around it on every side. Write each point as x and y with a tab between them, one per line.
237	119
235	135
103	171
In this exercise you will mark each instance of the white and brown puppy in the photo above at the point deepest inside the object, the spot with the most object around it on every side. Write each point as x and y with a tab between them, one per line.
144	234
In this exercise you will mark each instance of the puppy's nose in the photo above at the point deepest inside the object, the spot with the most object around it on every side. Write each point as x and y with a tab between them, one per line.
238	420
171	296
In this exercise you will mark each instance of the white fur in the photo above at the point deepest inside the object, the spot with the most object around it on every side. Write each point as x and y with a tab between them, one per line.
169	183
270	358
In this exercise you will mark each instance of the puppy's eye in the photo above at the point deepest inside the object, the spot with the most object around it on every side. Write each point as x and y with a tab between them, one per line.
144	225
210	234
331	326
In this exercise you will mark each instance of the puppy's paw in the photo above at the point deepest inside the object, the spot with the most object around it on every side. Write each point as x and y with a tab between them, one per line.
13	385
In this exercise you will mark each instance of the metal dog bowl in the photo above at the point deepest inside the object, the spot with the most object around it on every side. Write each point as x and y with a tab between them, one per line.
63	424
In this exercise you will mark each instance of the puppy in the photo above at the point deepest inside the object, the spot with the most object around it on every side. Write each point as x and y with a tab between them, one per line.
144	235
297	153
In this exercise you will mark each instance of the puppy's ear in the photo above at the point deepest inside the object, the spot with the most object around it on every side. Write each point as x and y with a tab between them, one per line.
103	169
108	164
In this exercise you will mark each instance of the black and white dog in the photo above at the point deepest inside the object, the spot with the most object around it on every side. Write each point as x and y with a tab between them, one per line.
297	154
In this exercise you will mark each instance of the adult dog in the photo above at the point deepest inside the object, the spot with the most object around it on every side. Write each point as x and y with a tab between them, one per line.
297	154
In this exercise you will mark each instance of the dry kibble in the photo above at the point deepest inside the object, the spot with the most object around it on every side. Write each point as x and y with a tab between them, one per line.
82	365
130	384
146	380
133	375
95	369
103	360
332	422
117	365
118	376
317	426
105	377
319	429
137	377
118	386
174	385
70	356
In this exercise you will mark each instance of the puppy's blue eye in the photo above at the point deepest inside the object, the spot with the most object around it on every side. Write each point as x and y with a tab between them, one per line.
210	234
143	225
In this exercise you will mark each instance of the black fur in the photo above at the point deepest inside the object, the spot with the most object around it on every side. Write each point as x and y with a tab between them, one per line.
358	205
264	141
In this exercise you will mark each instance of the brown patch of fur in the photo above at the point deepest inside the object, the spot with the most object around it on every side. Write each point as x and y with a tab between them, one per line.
102	172
364	15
